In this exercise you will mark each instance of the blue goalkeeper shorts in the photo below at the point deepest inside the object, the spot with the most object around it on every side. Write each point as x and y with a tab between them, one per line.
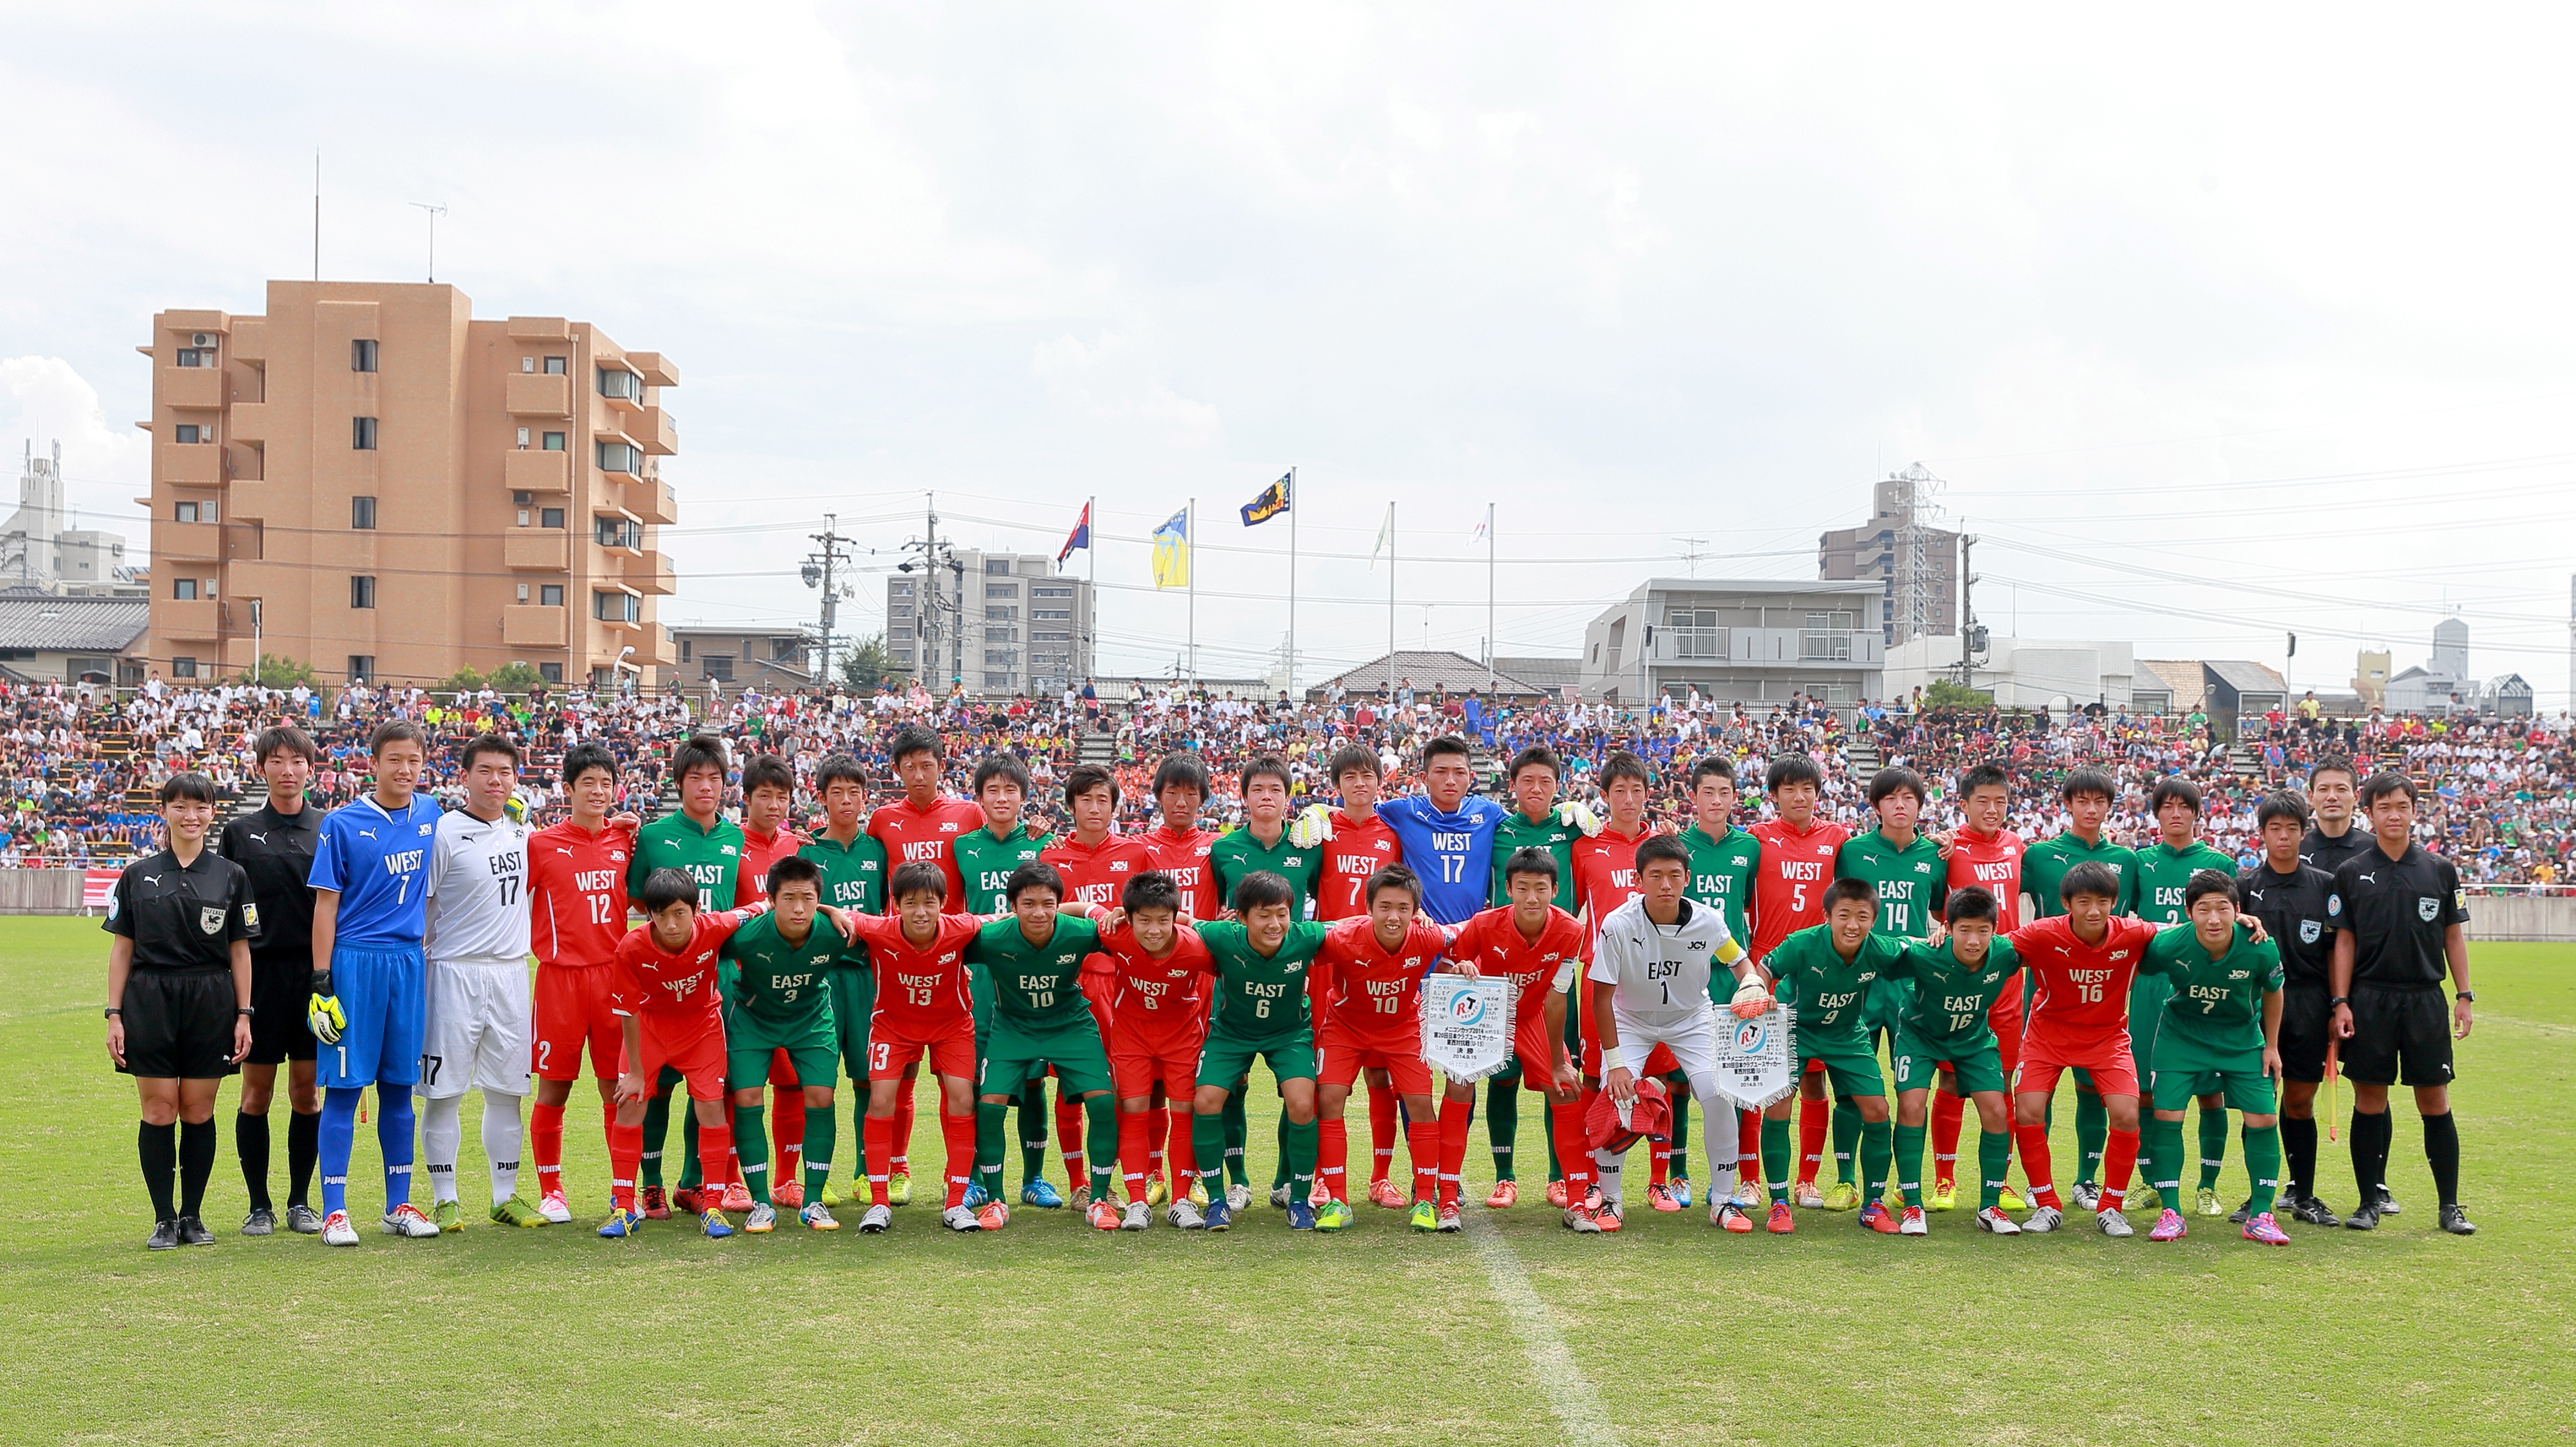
384	992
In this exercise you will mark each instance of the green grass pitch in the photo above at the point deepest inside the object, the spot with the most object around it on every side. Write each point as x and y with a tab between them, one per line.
1516	1332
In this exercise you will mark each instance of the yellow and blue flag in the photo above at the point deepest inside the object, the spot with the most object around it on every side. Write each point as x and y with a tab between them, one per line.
1273	501
1172	551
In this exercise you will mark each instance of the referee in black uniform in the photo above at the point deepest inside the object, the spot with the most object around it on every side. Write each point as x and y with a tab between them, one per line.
179	974
2291	899
274	846
2400	917
2335	835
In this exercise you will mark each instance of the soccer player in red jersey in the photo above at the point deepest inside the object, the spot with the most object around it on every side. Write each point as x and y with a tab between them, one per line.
577	917
1362	844
1605	877
919	828
768	798
1986	855
1798	854
1374	966
1539	948
1097	866
1158	1019
665	976
1180	848
925	1006
2082	962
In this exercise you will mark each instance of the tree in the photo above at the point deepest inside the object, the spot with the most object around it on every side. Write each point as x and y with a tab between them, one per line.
278	671
866	665
1949	693
463	680
516	677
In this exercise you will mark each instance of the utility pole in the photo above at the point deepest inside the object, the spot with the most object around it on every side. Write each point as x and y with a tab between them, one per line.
818	572
1972	634
926	625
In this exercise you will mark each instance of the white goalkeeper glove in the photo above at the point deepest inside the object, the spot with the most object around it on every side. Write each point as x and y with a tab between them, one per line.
1751	999
1578	816
1313	826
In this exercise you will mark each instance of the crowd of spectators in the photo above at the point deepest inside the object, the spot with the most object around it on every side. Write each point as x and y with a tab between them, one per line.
2498	796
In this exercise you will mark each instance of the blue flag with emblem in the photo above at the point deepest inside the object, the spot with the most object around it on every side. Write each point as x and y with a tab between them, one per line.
1272	501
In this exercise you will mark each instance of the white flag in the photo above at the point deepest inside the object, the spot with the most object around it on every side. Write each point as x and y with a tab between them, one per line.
1385	539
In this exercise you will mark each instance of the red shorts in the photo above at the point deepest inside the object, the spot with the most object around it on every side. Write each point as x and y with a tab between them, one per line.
1536	1053
2042	1061
1659	1061
1340	1056
1098	988
572	1005
698	1054
1136	1070
891	1052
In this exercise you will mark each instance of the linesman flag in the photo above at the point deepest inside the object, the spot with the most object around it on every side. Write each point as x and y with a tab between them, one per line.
1273	501
1172	551
1080	537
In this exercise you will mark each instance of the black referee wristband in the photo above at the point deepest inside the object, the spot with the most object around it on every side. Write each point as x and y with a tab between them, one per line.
112	1013
2338	1000
2469	995
247	1010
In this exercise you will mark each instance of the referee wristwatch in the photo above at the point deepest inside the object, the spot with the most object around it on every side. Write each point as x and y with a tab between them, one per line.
112	1013
247	1010
2468	995
2338	1000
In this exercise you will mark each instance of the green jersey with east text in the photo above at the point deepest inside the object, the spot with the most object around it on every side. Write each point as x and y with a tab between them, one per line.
1237	854
1036	987
1722	876
2216	1010
1952	997
1518	832
1823	990
1906	880
779	980
854	877
2044	866
1260	997
985	862
2163	871
711	856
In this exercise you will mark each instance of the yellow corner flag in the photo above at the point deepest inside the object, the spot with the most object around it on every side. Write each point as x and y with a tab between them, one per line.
1172	551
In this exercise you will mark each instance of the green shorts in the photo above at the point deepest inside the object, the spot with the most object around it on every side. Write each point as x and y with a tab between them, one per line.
1884	1011
854	1004
1853	1072
2242	1084
1917	1063
811	1045
2147	996
1227	1061
1017	1053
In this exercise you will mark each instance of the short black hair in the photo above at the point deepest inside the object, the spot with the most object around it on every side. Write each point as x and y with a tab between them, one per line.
2088	781
1530	859
1843	889
1182	770
188	784
1392	876
286	737
916	876
1152	889
1267	766
1969	901
1711	766
1036	874
1791	769
1656	847
580	759
699	751
2091	877
2204	882
2333	764
482	744
2284	804
1444	746
789	869
1621	764
913	739
768	771
2176	787
1353	758
1895	779
1261	888
1081	779
1000	764
664	888
837	767
1536	756
393	731
2379	786
1988	775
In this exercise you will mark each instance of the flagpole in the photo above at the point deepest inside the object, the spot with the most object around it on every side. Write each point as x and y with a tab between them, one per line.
1292	588
1390	604
1091	595
1491	642
1189	559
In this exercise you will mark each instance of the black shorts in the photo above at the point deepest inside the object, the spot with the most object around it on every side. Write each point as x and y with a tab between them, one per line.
2307	1023
2398	1032
178	1025
280	990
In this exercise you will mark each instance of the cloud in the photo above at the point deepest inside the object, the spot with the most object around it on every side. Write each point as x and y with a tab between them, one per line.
104	465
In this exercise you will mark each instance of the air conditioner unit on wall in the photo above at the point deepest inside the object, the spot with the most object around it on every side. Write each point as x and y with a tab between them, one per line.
201	339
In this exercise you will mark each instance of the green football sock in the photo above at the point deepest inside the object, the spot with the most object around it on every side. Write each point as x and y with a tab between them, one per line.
1994	1160
1503	1123
1207	1143
751	1147
2167	1135
1681	1098
1300	1145
1875	1153
1847	1128
1236	1134
1103	1110
858	1135
1032	1105
2213	1144
991	1127
1909	1161
657	1135
2092	1131
822	1135
1777	1155
2263	1163
1279	1172
691	1176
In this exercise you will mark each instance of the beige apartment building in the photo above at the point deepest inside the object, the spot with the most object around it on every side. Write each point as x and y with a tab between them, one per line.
367	479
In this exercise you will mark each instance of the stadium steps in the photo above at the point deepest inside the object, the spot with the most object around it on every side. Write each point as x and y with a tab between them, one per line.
1861	759
1095	747
2243	762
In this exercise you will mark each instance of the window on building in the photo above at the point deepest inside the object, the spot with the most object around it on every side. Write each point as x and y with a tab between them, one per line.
1695	633
997	680
362	590
362	513
900	588
183	668
554	442
187	512
1827	636
196	356
550	595
188	432
1051	615
611	607
362	355
1001	590
558	366
184	589
1001	566
898	633
1002	615
786	649
362	433
719	666
552	517
619	457
1046	590
362	667
550	672
1001	658
620	383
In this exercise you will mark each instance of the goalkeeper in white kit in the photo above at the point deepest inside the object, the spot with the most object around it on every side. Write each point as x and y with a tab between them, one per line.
1650	987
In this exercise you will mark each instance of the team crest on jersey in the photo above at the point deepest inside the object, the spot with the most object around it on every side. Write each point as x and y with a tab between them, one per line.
250	918
2426	909
2309	930
210	918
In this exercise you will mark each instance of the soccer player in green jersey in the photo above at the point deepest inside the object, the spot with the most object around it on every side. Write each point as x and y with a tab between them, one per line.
781	999
1041	1018
853	865
2220	1040
701	843
1823	973
2089	795
1947	1037
987	858
1261	961
1905	869
1723	858
2165	869
1533	778
1263	844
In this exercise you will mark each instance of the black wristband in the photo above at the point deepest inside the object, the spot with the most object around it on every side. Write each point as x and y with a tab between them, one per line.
2469	995
112	1013
247	1010
2338	1000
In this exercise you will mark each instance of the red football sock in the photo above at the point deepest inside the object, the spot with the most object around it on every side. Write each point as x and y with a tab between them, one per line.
2119	1158
879	1131
545	1146
1573	1150
1183	1154
1454	1115
959	1130
1132	1133
1815	1123
1748	1145
625	1157
1333	1157
1422	1141
2033	1140
1158	1122
1659	1163
787	1134
715	1150
1068	1129
1947	1112
899	1144
1382	1113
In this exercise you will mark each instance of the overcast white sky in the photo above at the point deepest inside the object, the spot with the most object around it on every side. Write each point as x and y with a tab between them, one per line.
2240	295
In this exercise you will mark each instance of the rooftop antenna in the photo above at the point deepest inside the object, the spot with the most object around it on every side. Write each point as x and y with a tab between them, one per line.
1693	554
434	213
317	213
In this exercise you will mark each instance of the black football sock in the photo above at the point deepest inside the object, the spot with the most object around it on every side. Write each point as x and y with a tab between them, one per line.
2442	1153
196	1163
2299	1143
159	1147
303	1148
2369	1153
250	1143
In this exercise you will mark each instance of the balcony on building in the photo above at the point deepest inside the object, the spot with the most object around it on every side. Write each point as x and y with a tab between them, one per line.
653	431
187	540
537	394
189	618
527	625
193	389
545	550
529	469
649	571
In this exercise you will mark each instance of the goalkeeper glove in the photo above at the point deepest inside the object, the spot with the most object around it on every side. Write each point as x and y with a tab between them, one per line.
1578	816
1314	825
1750	1000
322	1014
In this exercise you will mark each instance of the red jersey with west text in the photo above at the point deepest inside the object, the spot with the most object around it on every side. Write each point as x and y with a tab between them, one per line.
924	993
1789	888
1991	862
577	893
675	991
1376	992
1493	940
1605	876
1355	852
759	851
925	836
1097	874
1184	856
1155	1007
2081	1000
